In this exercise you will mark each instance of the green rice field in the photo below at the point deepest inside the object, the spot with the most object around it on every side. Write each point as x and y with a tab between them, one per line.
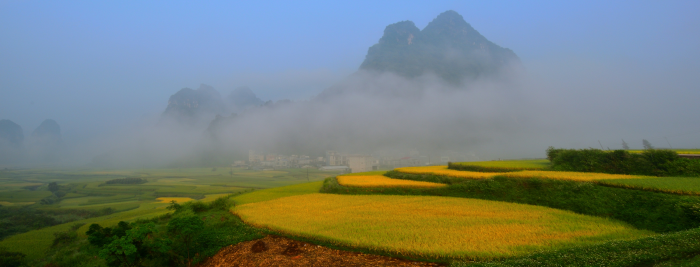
85	189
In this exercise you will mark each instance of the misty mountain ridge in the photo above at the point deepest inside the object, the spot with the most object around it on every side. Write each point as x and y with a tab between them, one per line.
187	105
243	98
11	133
44	145
408	78
448	47
198	107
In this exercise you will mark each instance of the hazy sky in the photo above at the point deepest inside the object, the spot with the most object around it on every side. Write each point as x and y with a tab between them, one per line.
92	65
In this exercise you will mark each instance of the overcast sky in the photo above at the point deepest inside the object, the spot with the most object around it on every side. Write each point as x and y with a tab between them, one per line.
92	65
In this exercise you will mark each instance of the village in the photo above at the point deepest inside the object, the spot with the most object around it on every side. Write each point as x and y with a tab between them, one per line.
345	162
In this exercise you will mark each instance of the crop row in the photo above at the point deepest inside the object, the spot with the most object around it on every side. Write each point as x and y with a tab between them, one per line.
557	175
383	181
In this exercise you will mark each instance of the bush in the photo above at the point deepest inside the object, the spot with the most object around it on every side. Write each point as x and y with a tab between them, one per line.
64	237
10	259
221	203
198	206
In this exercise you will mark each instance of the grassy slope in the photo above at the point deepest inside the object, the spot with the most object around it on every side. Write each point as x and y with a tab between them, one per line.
673	249
274	193
35	243
675	185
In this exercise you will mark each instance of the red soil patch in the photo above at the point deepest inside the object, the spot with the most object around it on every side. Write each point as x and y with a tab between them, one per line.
280	251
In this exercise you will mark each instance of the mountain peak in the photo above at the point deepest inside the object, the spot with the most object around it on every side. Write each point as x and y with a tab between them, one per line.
49	128
448	47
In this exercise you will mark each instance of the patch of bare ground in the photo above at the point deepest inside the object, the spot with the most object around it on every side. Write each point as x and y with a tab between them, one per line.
281	251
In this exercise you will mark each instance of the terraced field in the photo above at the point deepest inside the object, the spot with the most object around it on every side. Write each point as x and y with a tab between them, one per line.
571	176
435	227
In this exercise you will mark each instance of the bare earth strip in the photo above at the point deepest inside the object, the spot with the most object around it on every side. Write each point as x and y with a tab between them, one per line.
285	252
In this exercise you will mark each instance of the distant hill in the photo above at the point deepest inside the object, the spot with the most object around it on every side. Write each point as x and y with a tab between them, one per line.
188	106
11	142
448	47
11	133
45	144
48	130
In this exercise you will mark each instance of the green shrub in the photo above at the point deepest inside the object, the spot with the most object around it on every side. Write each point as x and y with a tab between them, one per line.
10	259
64	237
197	206
652	162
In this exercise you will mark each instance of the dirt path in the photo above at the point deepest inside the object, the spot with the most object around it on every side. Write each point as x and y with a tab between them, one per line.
280	251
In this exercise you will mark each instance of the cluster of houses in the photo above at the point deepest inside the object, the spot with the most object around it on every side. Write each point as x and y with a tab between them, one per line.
343	162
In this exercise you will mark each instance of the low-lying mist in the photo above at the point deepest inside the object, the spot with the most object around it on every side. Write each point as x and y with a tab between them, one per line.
572	104
518	117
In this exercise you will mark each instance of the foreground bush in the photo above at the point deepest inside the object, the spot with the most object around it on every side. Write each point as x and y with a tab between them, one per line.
192	233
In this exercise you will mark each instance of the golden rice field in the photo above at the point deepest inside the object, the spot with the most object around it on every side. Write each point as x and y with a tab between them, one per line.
432	227
383	181
170	199
558	175
443	170
534	164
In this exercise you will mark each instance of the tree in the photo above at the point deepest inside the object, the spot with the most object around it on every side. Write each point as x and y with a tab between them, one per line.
174	206
185	230
646	144
624	145
136	245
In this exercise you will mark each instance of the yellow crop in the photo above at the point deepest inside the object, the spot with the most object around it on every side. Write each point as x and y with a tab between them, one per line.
572	176
435	227
443	170
177	199
383	181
